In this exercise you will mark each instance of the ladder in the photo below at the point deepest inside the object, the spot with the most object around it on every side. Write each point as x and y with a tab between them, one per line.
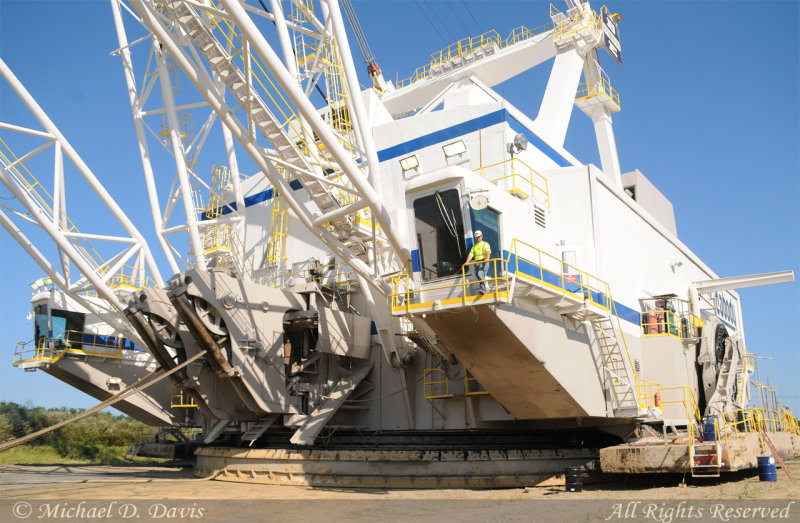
705	459
618	378
259	427
317	419
777	456
274	131
727	377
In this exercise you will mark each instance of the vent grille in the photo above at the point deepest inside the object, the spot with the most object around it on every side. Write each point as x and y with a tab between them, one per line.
539	216
637	366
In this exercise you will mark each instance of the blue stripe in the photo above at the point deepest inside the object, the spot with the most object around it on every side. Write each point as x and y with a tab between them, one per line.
442	135
98	340
416	144
253	199
627	314
467	127
534	271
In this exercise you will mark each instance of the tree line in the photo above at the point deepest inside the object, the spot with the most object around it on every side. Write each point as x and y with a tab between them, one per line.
99	429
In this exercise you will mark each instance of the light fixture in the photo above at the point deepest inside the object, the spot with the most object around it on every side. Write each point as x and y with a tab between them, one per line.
41	282
479	200
520	143
455	149
409	163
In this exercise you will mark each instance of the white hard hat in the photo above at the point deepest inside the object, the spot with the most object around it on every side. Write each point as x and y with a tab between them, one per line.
478	233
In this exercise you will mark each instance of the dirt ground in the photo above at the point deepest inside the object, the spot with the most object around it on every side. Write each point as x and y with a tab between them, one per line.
76	487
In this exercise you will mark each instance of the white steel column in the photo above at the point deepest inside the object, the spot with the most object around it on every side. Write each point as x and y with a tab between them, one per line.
326	136
283	37
607	145
180	159
141	138
603	130
356	101
559	97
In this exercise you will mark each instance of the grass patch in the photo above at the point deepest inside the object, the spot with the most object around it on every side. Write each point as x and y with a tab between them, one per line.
71	454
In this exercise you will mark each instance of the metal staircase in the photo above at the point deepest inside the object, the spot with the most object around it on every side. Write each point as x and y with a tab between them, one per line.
259	427
618	379
317	420
287	148
705	459
721	400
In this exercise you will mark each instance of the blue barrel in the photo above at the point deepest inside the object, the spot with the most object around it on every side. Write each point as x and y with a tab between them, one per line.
709	430
766	469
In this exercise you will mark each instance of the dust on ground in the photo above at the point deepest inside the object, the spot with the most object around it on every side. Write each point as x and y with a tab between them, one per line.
66	482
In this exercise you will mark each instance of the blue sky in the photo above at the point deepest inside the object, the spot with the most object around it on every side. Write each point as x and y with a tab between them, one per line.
710	114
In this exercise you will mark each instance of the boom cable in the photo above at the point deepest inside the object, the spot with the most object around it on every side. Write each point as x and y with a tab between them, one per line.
361	39
453	9
466	6
444	26
430	22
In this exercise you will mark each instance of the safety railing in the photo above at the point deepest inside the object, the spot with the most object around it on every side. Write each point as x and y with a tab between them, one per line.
524	262
51	349
569	26
668	317
530	264
466	45
132	278
471	44
683	396
436	384
648	395
181	399
753	419
598	87
519	178
471	385
30	351
333	274
406	299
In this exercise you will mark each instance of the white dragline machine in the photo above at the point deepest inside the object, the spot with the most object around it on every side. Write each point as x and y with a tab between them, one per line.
317	231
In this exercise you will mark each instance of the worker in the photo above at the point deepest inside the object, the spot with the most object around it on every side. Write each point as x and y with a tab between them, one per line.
481	252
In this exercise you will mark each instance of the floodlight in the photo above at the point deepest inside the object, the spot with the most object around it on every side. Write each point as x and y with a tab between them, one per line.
455	149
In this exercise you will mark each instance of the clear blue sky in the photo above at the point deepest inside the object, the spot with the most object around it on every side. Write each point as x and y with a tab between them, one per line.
710	94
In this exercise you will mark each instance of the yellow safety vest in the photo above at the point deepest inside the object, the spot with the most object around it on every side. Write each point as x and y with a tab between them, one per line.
480	251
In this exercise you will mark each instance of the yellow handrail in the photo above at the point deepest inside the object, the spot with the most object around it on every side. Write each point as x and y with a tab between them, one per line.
403	294
532	186
468	379
429	385
469	44
596	87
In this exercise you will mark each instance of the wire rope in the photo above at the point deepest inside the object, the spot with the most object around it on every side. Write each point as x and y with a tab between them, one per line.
430	21
444	26
466	5
455	13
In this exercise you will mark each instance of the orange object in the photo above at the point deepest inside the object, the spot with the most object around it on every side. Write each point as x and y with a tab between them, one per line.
652	324
657	400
